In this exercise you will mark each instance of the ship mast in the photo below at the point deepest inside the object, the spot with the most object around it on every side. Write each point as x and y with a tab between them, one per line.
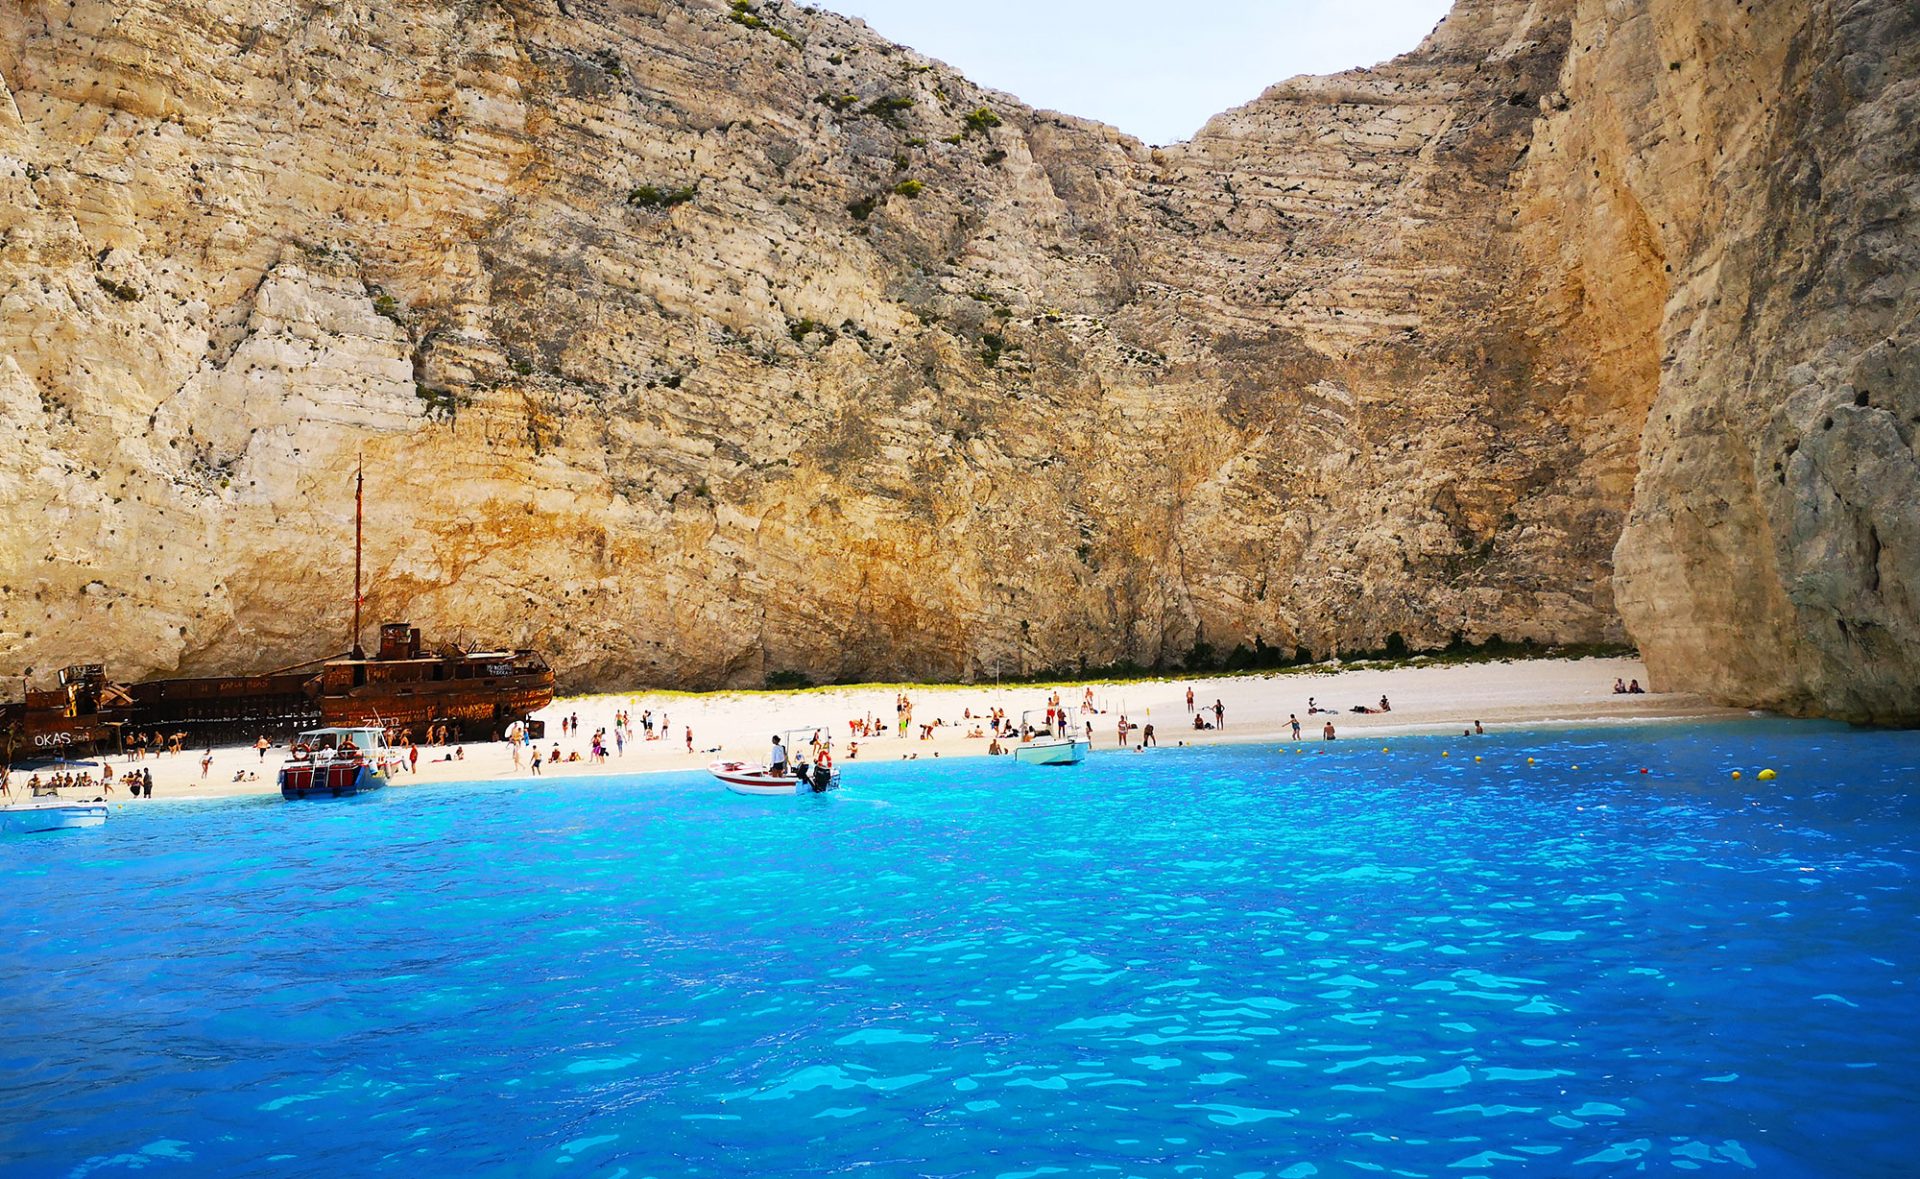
359	484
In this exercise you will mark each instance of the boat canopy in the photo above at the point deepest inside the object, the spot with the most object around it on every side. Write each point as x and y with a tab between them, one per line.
364	737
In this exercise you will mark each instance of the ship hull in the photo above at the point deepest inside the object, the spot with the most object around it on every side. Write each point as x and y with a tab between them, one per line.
29	817
1051	753
478	712
343	780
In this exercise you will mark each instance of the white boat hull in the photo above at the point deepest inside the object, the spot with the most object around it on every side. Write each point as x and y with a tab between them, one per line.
28	817
745	777
1051	753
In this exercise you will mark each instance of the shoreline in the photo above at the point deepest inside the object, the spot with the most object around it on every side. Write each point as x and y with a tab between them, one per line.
1426	701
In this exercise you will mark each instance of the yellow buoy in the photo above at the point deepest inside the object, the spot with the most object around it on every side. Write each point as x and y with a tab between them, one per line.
1736	775
1444	753
1476	757
1576	767
1529	761
1768	775
1383	749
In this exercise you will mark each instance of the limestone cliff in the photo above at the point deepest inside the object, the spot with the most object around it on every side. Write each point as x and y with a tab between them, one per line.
694	342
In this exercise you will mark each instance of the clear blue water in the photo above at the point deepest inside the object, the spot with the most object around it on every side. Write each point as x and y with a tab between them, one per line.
1231	962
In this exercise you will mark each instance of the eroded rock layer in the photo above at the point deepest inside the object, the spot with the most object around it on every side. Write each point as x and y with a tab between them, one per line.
694	345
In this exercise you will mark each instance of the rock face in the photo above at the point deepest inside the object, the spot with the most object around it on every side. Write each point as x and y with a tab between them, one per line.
696	343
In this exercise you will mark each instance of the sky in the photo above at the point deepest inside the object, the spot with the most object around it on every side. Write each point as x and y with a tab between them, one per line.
1154	69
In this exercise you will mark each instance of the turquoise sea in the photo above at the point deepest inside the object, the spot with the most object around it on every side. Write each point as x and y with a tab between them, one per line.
1229	962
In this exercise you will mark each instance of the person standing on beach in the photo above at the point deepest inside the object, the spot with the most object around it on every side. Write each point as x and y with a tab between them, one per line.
206	763
536	761
413	758
146	781
1146	737
1219	715
1295	722
1326	734
515	747
261	746
689	738
1189	698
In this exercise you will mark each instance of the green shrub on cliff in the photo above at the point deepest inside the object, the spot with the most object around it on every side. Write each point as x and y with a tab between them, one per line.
650	196
980	120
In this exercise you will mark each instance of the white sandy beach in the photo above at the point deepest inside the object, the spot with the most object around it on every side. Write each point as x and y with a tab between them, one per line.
1433	699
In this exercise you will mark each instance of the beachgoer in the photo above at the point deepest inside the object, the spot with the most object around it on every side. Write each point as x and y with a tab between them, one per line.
1634	688
1384	706
536	761
1219	715
1619	687
261	746
1189	699
777	757
206	763
1295	722
1326	734
1477	730
413	758
146	781
1146	737
689	738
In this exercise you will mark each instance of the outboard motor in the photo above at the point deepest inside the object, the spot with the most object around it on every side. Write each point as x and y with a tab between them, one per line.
822	779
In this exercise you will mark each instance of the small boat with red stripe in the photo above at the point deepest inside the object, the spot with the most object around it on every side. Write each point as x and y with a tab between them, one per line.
336	763
789	773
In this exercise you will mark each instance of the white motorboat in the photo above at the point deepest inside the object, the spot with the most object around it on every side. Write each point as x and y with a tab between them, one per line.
1059	743
51	814
752	777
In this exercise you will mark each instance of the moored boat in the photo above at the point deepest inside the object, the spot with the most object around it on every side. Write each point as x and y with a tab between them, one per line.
1058	742
51	814
336	763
